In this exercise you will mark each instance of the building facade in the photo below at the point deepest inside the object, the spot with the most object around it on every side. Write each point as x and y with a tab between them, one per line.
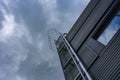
91	49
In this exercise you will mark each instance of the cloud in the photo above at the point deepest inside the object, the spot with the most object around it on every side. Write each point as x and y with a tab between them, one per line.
68	12
50	10
25	53
20	78
13	47
8	24
22	48
32	15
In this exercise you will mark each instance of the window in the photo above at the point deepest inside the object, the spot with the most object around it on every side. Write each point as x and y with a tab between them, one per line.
110	30
104	32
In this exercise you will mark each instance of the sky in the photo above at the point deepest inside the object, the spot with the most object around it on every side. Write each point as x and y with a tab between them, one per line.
24	50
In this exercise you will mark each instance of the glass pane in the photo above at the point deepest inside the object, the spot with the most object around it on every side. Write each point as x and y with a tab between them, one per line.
110	30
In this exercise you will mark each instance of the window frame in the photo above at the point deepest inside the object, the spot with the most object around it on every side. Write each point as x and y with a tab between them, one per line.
105	32
103	23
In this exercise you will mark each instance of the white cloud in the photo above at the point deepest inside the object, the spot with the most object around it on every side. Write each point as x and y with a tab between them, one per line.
11	28
14	37
8	25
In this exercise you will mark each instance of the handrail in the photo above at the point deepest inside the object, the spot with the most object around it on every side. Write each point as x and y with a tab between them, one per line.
76	60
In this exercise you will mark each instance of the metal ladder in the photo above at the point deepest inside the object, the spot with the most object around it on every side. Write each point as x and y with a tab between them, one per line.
83	72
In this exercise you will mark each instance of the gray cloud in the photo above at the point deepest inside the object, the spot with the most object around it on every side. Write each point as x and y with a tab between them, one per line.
33	15
25	51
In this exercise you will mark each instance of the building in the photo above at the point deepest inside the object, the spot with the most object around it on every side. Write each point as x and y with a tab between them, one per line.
91	49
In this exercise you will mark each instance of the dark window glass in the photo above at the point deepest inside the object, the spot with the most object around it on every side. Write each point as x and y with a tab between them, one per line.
110	30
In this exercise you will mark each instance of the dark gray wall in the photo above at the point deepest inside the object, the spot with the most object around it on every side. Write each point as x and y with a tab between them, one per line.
83	17
90	23
101	61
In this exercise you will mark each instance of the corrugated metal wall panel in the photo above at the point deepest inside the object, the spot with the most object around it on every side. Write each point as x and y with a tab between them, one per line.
108	64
